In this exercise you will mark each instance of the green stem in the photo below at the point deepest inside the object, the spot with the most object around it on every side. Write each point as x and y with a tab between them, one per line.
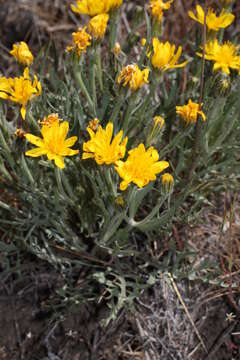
99	68
60	186
129	111
149	35
149	217
113	29
195	156
110	181
83	88
116	109
32	121
92	75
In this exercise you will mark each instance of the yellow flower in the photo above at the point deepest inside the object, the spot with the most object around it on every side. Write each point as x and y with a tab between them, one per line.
22	53
95	7
81	40
20	89
140	167
101	148
213	21
163	57
158	6
132	75
190	112
158	122
167	181
53	142
117	48
224	56
97	25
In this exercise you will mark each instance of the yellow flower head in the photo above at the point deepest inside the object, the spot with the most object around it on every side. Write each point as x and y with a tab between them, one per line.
225	56
53	142
158	6
132	75
213	21
167	181
20	89
97	25
117	48
81	40
93	124
95	7
140	167
163	57
102	148
190	112
22	53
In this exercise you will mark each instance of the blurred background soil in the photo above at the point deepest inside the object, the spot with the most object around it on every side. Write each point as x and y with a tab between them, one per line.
161	328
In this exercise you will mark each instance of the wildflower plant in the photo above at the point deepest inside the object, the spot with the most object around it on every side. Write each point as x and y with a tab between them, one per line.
124	167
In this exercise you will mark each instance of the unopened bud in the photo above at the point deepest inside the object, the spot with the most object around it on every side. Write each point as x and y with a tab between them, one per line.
117	48
158	122
119	201
167	181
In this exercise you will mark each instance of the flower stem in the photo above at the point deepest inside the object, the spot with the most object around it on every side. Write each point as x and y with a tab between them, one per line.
99	68
129	111
83	88
198	123
113	29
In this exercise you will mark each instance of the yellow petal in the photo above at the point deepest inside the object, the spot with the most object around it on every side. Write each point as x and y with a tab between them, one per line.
35	140
70	141
124	185
26	73
192	15
36	152
23	112
109	131
201	113
59	161
86	155
68	152
160	166
63	129
200	13
179	65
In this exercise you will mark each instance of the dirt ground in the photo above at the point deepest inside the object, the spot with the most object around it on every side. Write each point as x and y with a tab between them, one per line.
176	320
32	329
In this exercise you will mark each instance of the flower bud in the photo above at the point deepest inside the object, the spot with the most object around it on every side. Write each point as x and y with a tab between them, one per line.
167	182
116	49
